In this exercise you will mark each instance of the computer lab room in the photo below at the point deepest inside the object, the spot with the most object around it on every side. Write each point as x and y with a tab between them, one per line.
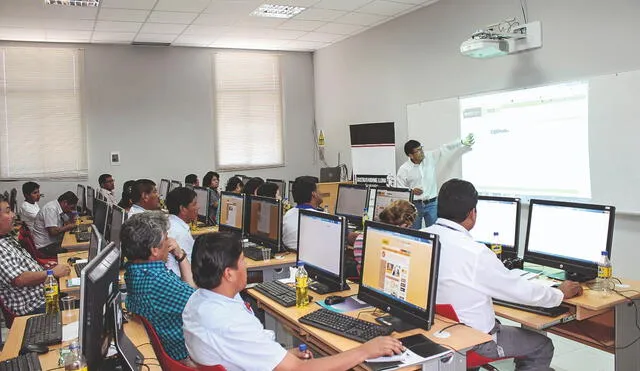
319	185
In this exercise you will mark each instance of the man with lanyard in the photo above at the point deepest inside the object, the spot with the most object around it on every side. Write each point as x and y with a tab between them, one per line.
306	195
144	195
419	175
470	275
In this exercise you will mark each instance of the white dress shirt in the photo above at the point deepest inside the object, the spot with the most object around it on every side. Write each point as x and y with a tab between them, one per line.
470	275
108	196
50	215
28	212
423	175
290	228
180	231
219	330
136	209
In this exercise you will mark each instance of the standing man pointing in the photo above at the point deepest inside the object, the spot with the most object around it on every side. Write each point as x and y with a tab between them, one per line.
419	175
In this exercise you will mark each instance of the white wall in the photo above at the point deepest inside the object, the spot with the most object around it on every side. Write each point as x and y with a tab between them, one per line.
373	76
154	105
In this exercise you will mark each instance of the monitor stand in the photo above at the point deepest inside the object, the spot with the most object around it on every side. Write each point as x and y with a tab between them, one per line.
396	323
577	277
327	288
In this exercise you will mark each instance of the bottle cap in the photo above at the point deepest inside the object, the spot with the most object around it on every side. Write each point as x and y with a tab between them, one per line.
49	272
302	347
496	233
300	264
604	253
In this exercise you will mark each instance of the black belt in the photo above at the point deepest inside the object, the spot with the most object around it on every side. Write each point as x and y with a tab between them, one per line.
426	202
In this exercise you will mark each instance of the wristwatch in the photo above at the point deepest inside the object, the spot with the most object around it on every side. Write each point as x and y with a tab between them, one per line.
184	256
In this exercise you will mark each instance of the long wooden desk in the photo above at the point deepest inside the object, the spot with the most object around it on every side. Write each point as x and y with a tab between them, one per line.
273	268
134	329
608	323
462	338
69	241
62	259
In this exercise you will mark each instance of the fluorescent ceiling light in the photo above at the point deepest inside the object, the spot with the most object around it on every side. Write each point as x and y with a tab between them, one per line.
277	11
73	2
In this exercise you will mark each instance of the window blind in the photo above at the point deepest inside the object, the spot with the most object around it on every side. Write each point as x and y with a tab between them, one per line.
248	110
42	134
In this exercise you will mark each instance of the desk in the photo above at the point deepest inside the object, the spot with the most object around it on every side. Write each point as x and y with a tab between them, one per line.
69	241
462	338
62	259
134	329
611	320
271	269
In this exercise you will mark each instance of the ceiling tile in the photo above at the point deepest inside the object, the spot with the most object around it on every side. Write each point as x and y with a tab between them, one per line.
383	7
68	36
248	43
284	34
162	28
21	34
67	24
215	20
118	37
319	36
341	4
293	24
125	15
195	6
15	22
416	2
235	7
340	28
194	40
108	26
314	14
154	38
172	17
361	19
128	4
204	31
264	22
302	3
305	45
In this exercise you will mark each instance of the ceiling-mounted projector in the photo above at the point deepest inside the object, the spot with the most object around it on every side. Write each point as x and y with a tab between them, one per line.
503	38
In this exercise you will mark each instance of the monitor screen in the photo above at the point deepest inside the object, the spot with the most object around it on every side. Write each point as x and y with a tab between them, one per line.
320	241
568	235
231	211
399	271
100	215
117	219
164	188
80	192
282	186
202	195
501	215
352	200
91	195
385	196
265	224
174	184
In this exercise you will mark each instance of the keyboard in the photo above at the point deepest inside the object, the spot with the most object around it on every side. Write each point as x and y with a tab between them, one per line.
283	294
79	267
254	252
81	229
83	236
45	329
25	362
550	312
349	327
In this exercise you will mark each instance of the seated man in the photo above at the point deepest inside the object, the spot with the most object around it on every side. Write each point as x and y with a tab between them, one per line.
219	328
52	221
470	275
191	180
21	277
107	185
29	208
183	209
153	291
306	195
144	196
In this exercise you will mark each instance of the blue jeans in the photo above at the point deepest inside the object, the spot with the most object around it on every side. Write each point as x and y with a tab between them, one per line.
427	212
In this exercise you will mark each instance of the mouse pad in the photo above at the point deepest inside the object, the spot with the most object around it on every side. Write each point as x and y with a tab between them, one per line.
423	346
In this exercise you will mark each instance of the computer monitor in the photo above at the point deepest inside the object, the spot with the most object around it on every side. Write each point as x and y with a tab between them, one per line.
117	220
400	274
100	215
352	201
81	192
231	212
321	248
384	196
163	190
95	243
282	185
203	197
330	174
570	236
501	215
174	184
91	195
264	225
290	192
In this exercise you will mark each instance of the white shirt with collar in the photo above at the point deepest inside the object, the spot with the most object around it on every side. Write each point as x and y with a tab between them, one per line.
290	228
136	209
423	175
108	196
180	231
28	212
470	275
219	330
50	215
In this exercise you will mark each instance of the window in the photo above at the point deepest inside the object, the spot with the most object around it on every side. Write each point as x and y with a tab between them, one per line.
248	110
41	130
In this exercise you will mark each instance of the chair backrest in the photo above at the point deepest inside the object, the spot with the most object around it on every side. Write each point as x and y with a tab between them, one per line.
166	362
7	313
447	311
26	241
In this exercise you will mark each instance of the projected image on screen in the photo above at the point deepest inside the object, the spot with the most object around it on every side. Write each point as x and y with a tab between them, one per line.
529	142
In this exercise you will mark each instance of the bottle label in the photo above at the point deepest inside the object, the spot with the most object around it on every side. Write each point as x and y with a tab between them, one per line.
604	272
50	290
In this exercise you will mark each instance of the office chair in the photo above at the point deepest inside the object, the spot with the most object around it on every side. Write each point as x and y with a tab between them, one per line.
474	360
167	363
7	313
26	241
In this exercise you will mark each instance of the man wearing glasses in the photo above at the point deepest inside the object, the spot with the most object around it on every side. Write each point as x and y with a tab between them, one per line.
419	175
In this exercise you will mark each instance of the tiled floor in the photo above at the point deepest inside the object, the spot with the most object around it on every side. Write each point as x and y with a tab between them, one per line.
569	356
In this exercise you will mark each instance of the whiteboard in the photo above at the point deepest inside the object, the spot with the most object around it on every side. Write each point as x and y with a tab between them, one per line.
374	159
614	137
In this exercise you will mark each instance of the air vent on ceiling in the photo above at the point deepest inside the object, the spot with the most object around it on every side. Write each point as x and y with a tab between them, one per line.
73	2
145	43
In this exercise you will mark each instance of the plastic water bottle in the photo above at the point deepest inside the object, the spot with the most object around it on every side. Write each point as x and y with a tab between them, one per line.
496	247
603	283
51	293
365	217
74	361
326	209
302	286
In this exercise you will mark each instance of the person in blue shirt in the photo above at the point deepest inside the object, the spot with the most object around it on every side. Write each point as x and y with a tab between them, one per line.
153	291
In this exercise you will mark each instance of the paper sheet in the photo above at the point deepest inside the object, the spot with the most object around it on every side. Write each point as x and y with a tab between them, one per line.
70	331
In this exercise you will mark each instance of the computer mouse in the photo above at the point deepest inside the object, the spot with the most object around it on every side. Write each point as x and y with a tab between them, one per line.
334	299
72	260
34	348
